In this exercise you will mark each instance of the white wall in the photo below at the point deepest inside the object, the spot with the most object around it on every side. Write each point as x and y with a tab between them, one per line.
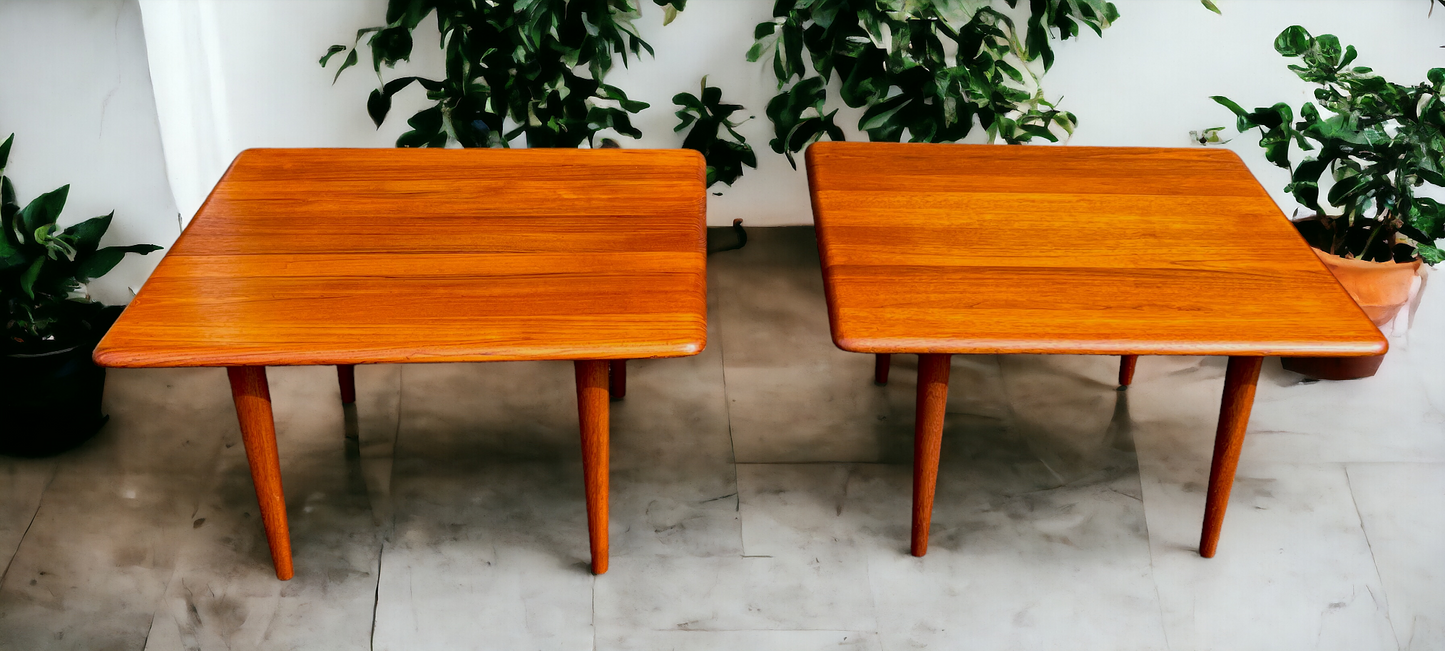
232	74
248	69
75	90
1147	82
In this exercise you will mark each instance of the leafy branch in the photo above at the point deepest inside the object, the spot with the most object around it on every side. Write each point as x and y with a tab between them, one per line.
927	68
708	118
532	68
1378	140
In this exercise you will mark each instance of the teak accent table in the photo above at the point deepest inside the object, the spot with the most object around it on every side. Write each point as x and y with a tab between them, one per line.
959	249
361	256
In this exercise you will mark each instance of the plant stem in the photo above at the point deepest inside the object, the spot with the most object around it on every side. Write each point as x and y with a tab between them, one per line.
1384	219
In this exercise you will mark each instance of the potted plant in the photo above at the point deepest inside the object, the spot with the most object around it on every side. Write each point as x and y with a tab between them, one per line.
1380	142
50	390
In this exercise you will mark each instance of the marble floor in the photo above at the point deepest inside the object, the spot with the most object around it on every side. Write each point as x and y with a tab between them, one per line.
760	500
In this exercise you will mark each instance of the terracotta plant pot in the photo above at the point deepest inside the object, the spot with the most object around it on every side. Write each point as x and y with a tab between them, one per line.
1380	289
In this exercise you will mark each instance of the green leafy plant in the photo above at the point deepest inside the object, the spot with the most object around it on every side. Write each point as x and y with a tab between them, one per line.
532	68
930	68
713	134
1379	141
43	270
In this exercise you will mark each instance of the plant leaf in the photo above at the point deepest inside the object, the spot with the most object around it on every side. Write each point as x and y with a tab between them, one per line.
45	209
330	52
5	153
1293	41
31	273
350	61
86	235
102	261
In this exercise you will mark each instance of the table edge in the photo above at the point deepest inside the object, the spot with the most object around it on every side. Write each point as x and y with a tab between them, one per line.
131	359
1362	347
962	346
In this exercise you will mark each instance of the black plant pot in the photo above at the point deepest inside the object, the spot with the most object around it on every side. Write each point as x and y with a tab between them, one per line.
49	402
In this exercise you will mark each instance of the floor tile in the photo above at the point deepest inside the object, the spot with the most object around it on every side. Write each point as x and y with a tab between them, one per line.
787	592
445	510
1293	570
793	396
485	555
508	525
752	640
1402	506
488	502
1297	421
22	482
224	593
102	548
95	562
1006	530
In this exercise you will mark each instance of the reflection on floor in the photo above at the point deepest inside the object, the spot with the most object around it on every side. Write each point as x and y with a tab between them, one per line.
760	500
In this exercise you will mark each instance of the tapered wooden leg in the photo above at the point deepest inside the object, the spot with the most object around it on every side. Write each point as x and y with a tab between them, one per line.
1126	369
881	363
1239	382
592	397
258	434
618	373
346	373
927	440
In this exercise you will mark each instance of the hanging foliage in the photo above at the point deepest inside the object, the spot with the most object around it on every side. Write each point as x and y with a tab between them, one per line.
927	68
714	134
532	68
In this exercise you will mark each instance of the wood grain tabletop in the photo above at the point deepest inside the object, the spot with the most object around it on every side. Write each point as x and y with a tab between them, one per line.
1078	250
352	256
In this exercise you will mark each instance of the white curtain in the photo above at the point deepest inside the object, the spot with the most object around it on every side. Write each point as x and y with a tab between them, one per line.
182	43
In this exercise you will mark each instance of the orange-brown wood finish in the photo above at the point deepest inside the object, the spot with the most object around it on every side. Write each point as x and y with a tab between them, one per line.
592	411
978	249
258	434
618	379
1078	250
1126	369
357	256
927	442
882	363
360	256
1240	379
346	375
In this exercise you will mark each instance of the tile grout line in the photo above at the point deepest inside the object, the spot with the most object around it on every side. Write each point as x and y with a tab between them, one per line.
386	531
376	596
1369	545
1149	542
53	472
728	409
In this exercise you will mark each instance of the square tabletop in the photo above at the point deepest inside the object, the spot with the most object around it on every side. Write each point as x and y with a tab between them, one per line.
1078	250
354	256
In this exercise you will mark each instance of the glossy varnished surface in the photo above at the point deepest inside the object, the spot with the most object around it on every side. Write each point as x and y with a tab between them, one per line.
990	249
348	256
